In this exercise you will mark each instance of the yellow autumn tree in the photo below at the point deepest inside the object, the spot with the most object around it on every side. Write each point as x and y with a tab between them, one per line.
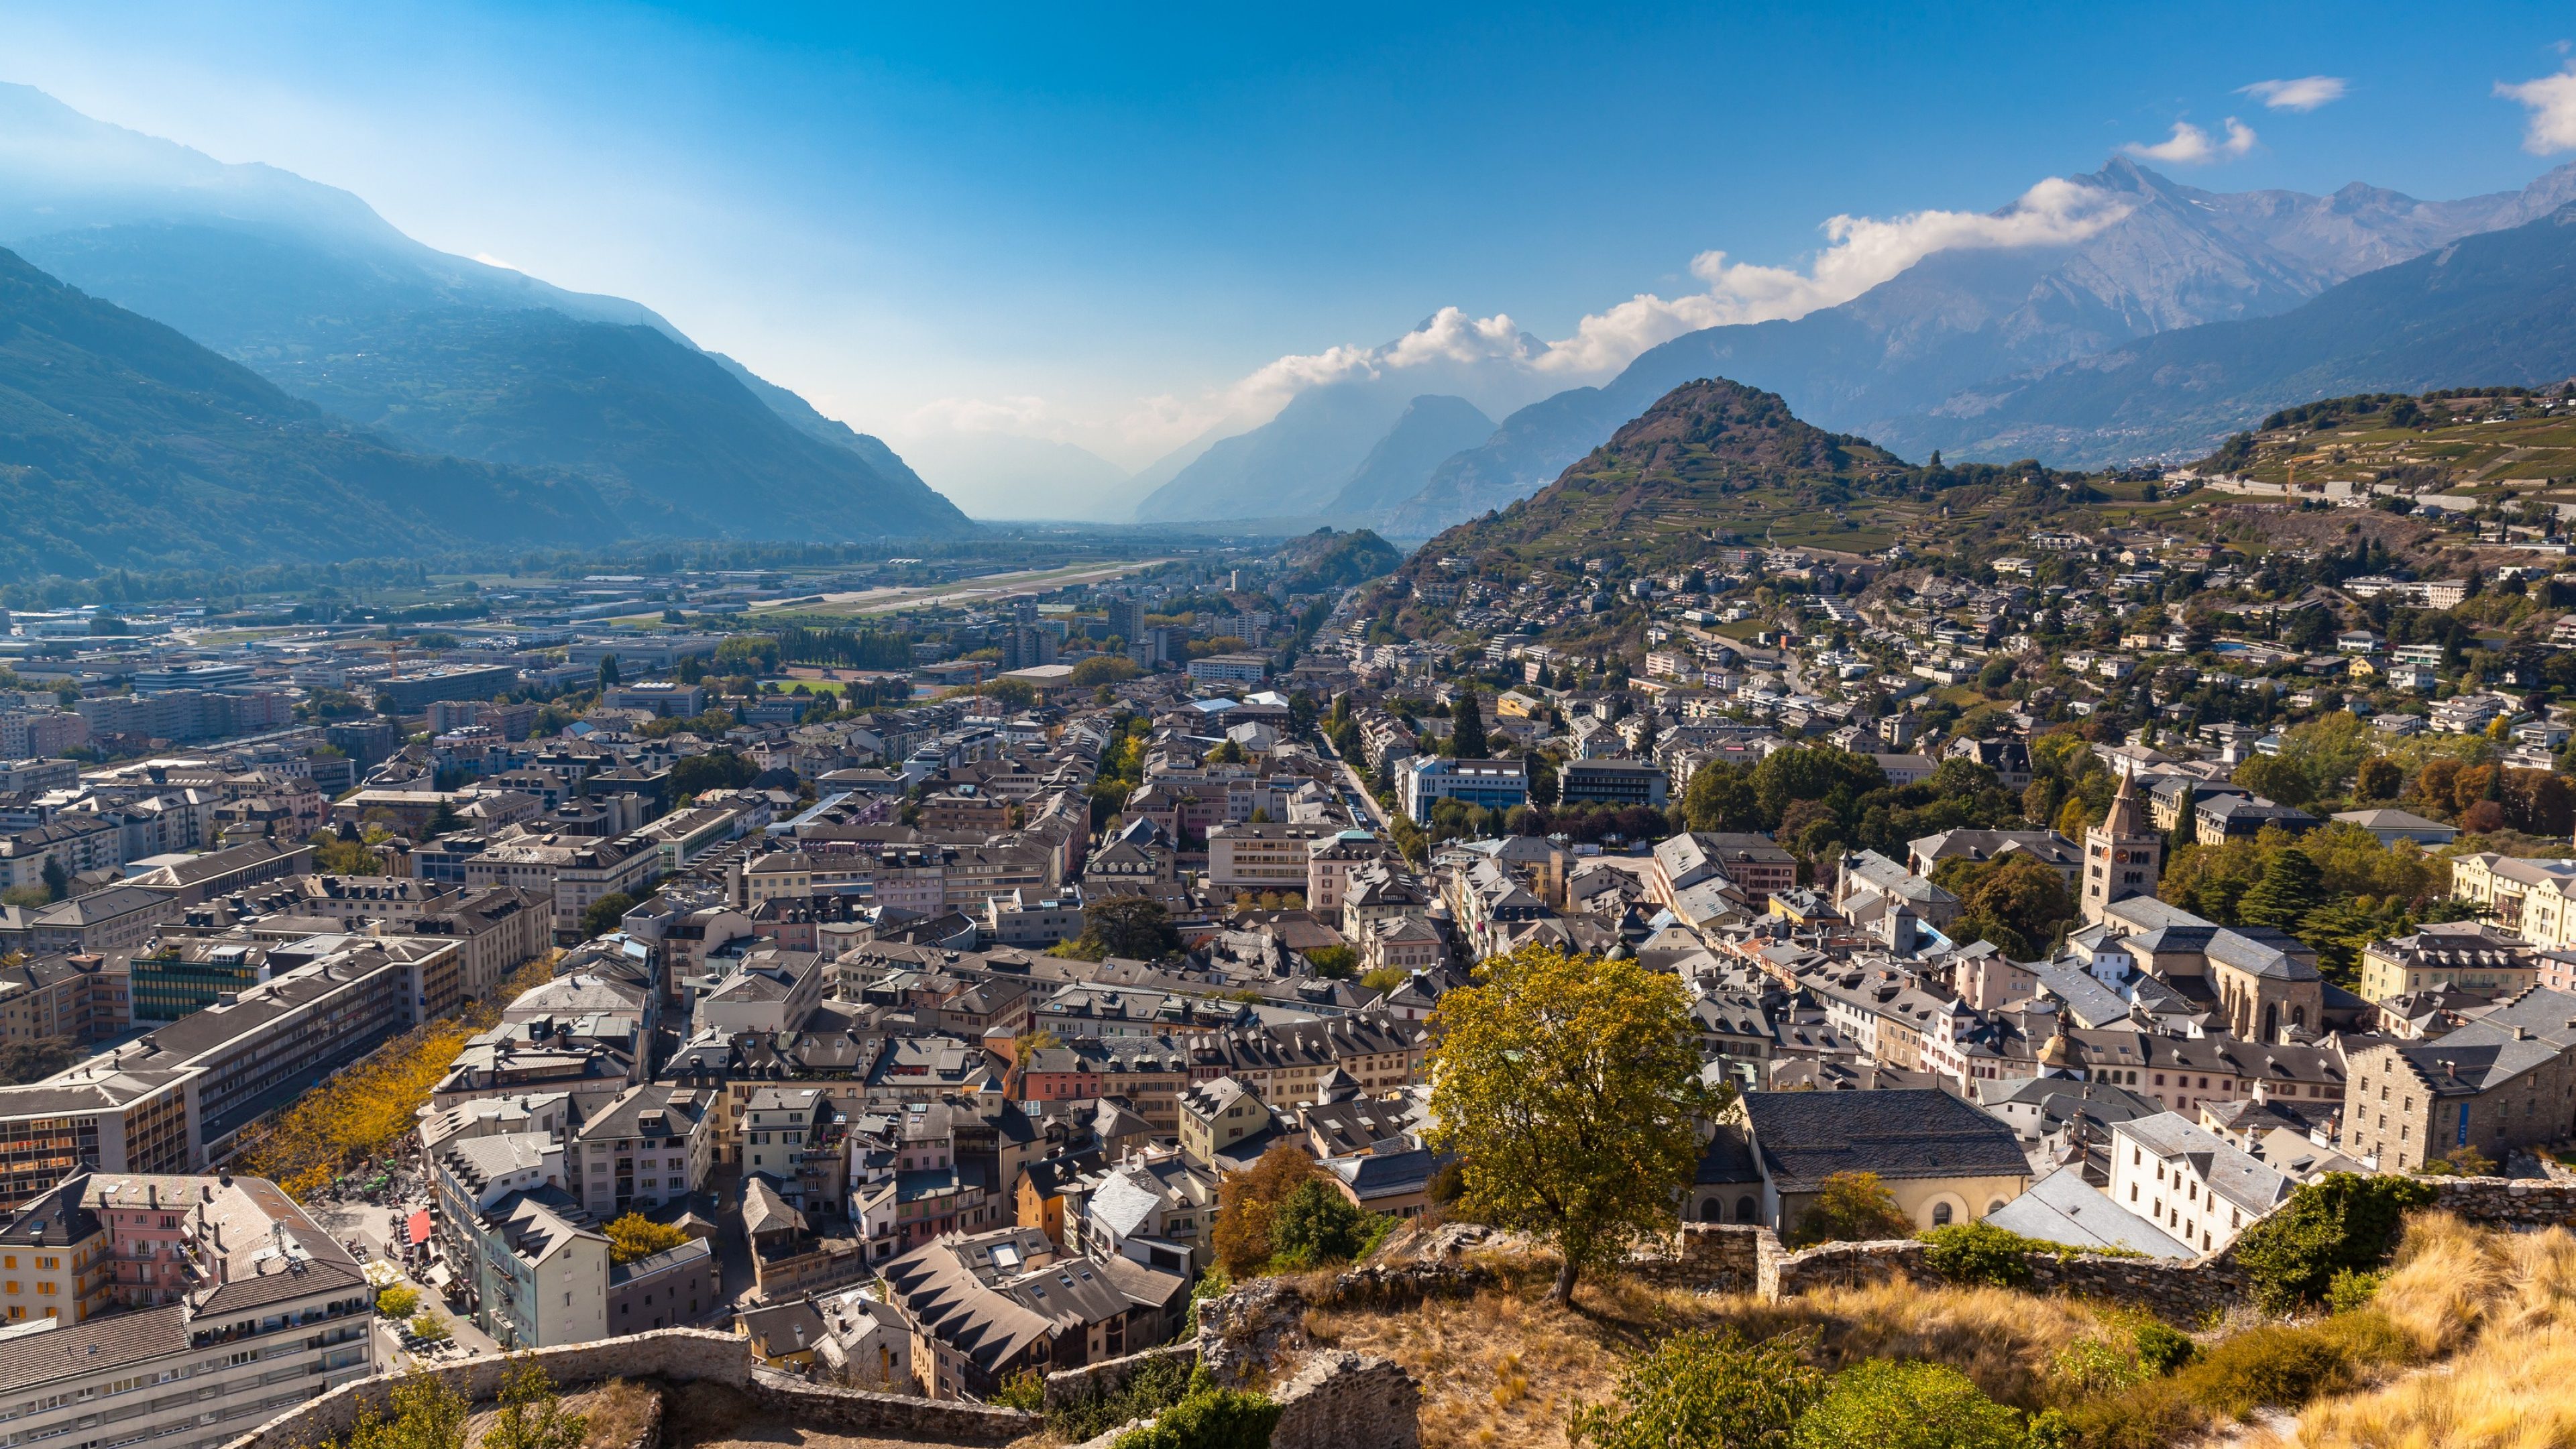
636	1236
365	1111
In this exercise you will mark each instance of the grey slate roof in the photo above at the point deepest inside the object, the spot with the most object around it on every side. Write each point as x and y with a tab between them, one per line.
2063	1208
1806	1137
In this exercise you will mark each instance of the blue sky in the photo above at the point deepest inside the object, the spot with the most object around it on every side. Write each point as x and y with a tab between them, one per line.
1097	226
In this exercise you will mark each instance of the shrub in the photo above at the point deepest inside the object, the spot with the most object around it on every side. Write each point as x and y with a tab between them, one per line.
2162	1349
2151	1415
1980	1253
2092	1366
2349	1290
2340	1222
1888	1404
1025	1391
1706	1391
2269	1366
532	1414
1154	1387
1851	1207
1317	1224
1209	1419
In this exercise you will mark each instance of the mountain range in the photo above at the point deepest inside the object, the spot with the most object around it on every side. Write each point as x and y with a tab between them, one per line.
2495	308
1911	360
438	355
124	443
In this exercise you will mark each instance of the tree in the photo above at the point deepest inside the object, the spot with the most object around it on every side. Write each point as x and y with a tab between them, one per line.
1102	669
2017	893
427	1414
608	671
2434	784
428	1327
32	1061
1706	1390
1318	1224
1851	1207
636	1236
532	1414
1720	798
604	913
2342	1222
1024	1049
2537	802
1246	1203
713	770
2276	777
1882	1403
1467	727
2379	778
335	854
398	1301
2285	895
1813	772
1570	1086
58	881
1127	926
1336	963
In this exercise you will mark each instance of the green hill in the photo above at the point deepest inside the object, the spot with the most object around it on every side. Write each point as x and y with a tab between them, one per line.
1711	462
1325	560
122	443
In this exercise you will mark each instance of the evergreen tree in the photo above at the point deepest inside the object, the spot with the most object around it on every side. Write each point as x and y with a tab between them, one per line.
1467	727
608	671
2288	890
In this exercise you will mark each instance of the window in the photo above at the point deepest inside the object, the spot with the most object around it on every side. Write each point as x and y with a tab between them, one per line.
1940	1214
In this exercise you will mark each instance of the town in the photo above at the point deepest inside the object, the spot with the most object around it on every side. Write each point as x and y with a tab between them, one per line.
917	996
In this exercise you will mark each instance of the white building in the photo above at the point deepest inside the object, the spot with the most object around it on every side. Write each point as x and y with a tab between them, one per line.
2190	1182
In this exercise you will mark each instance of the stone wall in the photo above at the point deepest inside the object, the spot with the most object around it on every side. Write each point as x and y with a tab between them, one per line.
672	1356
678	1355
1066	1387
1340	1400
862	1414
1839	1265
2507	1202
1711	1258
1246	1333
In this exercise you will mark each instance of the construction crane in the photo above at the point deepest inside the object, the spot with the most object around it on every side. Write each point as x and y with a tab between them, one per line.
392	650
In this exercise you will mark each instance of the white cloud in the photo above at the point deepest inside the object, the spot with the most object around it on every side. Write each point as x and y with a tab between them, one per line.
2304	94
1499	364
1860	253
2552	100
1031	416
2191	146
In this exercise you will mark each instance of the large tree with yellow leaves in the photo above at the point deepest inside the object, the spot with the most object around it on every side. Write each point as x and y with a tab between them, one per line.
1569	1086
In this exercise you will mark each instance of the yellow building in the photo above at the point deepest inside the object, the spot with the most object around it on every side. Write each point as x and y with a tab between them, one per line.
54	1259
2458	955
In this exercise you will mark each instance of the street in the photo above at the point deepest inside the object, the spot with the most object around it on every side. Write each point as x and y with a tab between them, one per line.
379	1231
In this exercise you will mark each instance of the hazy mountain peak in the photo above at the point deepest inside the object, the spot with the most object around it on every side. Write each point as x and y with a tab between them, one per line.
60	168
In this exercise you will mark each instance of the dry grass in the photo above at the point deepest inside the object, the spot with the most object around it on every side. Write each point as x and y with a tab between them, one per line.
2512	1299
1507	1367
618	1411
